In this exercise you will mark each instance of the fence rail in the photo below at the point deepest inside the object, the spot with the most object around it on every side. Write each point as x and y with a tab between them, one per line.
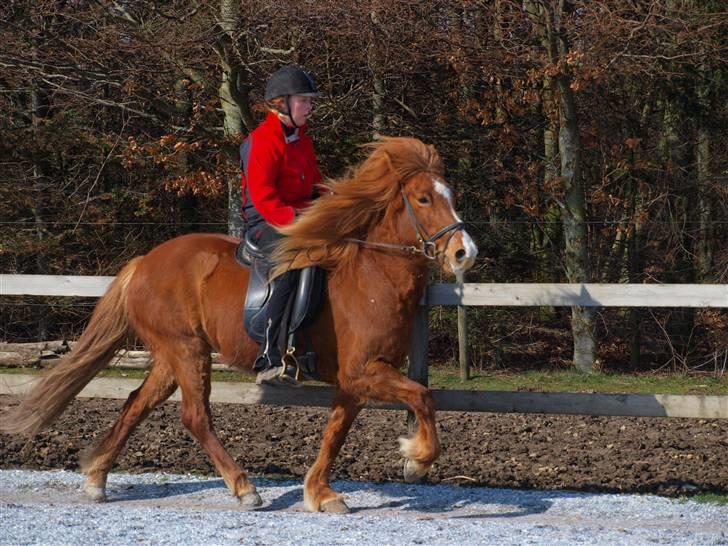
470	294
595	404
585	295
495	294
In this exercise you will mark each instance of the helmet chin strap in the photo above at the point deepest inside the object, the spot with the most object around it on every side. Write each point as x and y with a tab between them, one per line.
290	114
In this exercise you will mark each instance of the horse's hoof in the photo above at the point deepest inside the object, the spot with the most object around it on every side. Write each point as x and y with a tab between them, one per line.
335	506
95	493
251	500
412	471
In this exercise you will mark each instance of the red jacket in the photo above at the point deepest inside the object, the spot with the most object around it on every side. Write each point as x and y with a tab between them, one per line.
278	177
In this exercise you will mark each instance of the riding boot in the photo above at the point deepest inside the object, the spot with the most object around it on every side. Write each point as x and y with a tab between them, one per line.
272	368
270	364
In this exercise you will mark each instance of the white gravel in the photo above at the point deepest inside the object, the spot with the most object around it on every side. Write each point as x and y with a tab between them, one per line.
48	508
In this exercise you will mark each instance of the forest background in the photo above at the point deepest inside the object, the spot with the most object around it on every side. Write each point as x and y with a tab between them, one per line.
586	142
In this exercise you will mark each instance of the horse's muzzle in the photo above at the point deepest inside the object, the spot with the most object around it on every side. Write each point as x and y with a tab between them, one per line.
460	252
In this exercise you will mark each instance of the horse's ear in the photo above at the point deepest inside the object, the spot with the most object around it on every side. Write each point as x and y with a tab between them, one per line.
432	150
388	160
434	160
383	158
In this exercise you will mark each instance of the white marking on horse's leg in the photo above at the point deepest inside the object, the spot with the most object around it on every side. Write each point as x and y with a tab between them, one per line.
413	470
406	447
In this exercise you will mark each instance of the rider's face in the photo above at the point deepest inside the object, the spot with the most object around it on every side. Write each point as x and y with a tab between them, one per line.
300	109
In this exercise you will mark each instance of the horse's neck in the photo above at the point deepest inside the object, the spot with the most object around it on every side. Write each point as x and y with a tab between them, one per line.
399	274
393	278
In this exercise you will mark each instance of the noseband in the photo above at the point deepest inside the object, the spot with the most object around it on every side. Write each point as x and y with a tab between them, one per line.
428	243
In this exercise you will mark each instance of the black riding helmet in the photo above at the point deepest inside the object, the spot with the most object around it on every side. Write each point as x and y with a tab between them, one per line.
290	80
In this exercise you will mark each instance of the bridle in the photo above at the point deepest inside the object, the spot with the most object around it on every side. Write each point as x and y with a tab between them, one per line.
428	243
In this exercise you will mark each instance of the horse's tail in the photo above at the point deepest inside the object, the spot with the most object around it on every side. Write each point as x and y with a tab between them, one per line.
105	334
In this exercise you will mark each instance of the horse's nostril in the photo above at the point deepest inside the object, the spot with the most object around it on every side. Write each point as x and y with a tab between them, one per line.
460	254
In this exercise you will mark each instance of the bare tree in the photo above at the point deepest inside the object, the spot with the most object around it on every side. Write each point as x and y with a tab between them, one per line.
547	18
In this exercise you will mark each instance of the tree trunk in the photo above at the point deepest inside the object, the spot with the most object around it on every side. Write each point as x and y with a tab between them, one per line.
546	239
709	102
378	125
41	264
234	103
551	232
574	222
378	90
704	255
680	268
547	24
634	270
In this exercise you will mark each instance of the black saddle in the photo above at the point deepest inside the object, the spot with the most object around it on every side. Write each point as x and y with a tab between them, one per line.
249	255
305	301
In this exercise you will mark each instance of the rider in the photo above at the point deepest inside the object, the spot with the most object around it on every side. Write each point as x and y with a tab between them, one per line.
279	177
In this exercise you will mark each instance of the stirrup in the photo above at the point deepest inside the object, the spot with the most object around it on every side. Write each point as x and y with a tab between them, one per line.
277	377
287	373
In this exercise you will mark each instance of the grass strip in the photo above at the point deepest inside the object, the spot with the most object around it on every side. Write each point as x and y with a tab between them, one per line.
540	381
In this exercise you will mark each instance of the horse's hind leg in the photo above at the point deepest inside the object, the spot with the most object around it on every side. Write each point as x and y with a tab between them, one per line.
157	387
193	375
317	493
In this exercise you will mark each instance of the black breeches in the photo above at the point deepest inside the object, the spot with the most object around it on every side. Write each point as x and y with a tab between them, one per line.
282	288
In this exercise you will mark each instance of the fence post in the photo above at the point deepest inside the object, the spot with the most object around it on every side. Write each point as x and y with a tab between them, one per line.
462	333
417	370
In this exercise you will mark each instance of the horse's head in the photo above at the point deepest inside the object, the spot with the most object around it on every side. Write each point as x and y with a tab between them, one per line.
428	215
395	201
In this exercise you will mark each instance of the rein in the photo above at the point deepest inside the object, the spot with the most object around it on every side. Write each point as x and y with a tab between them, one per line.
428	243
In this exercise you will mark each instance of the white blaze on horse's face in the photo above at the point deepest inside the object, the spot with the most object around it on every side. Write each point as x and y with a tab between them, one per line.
461	251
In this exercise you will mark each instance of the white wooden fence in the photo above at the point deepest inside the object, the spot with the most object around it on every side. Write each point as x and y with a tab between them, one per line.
496	294
490	294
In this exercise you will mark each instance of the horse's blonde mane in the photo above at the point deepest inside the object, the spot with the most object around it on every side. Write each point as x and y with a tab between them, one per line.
353	205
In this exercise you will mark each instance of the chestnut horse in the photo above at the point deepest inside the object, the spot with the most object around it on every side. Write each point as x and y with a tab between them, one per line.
184	299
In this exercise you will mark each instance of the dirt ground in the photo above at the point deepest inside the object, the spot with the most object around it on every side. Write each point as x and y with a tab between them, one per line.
659	455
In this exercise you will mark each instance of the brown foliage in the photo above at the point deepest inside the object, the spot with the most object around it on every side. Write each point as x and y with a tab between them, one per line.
111	136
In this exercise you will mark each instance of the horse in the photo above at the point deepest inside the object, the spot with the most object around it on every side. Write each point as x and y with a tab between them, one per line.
371	230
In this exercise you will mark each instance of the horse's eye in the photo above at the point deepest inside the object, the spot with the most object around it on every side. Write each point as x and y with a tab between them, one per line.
424	200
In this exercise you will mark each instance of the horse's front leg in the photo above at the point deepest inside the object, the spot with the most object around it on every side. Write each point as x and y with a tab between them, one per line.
379	380
317	493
